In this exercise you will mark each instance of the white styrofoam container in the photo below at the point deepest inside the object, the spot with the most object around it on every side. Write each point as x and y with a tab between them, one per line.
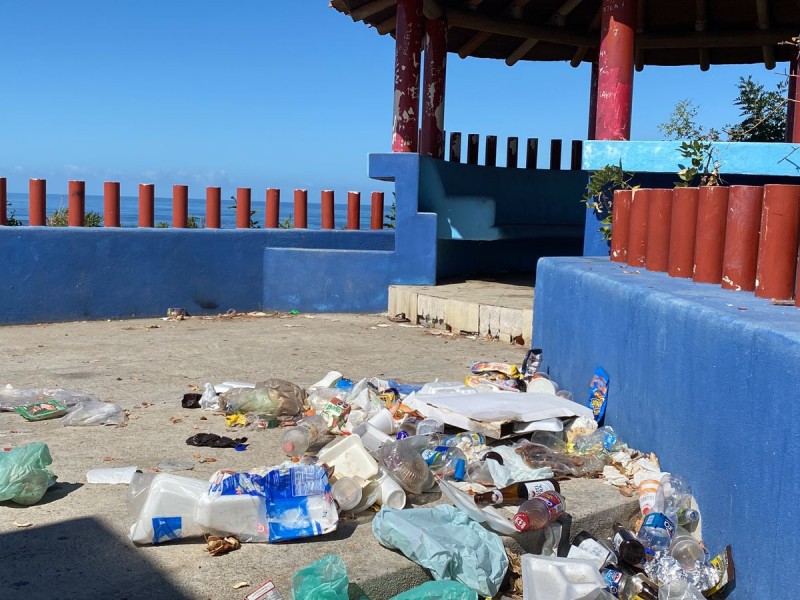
349	458
168	510
553	578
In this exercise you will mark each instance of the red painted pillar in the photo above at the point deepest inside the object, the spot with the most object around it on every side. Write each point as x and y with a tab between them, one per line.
147	199
741	237
242	208
3	202
637	229
620	225
37	202
213	202
593	102
433	84
354	210
76	211
615	70
273	208
408	45
709	244
376	215
777	249
301	209
111	204
683	232
327	209
659	219
180	206
793	96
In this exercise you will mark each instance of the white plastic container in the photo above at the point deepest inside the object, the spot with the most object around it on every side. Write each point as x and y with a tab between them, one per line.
391	494
349	458
347	493
553	578
372	437
383	420
241	515
168	510
111	475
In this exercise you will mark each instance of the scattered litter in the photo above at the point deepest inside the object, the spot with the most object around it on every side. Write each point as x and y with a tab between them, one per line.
94	412
22	524
112	475
325	579
266	591
213	440
222	545
438	590
240	585
24	473
40	411
175	465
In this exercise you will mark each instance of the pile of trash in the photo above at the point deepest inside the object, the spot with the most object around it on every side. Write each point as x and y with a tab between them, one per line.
498	446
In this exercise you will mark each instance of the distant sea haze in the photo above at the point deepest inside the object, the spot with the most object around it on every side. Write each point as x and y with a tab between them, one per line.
129	210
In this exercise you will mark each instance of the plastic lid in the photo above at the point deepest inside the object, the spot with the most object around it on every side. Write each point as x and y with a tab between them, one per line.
522	521
347	493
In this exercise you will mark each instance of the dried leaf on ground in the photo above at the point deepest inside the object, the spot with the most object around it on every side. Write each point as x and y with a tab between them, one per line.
218	545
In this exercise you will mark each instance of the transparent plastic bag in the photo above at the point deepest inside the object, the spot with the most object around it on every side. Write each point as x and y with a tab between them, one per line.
11	397
273	397
438	590
325	579
94	412
24	476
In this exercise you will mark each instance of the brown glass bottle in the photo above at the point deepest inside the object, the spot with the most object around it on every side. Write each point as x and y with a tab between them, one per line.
517	493
628	548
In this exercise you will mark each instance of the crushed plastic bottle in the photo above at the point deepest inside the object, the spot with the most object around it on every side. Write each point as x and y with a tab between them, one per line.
448	462
405	464
656	531
298	439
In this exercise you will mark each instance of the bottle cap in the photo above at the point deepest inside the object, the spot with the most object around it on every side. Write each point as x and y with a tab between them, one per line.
521	521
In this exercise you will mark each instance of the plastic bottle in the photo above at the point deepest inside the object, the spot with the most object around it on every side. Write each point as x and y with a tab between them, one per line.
408	428
297	439
471	438
656	531
588	543
405	464
687	550
628	548
539	511
630	587
688	516
347	493
517	493
427	426
447	462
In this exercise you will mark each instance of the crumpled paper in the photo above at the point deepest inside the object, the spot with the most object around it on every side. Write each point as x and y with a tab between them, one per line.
444	540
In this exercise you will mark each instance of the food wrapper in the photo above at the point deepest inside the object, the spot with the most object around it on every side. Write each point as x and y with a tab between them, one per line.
39	411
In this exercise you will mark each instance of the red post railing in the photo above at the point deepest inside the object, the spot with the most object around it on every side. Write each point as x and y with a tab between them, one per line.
37	202
3	202
712	213
147	199
213	206
777	250
272	208
76	204
376	214
111	204
620	225
301	209
354	210
659	219
326	201
242	208
637	231
683	232
180	206
740	256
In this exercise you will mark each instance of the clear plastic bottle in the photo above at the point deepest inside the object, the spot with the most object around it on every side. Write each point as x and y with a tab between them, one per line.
408	428
471	438
446	461
405	464
539	511
297	439
656	531
427	426
687	550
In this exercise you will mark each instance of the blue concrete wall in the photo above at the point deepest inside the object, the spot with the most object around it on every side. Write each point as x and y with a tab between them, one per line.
708	379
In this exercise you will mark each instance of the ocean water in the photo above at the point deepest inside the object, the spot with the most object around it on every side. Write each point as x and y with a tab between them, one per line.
129	210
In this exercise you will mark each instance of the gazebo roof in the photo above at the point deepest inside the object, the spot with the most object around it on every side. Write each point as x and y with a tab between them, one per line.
668	32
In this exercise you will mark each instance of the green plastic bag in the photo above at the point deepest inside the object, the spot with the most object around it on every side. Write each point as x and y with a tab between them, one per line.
325	579
24	476
438	590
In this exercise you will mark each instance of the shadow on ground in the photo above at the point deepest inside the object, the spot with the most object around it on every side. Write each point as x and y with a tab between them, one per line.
76	559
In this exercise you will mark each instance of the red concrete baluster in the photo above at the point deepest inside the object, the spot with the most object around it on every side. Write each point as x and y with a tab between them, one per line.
683	232
242	208
777	248
213	204
376	216
147	201
111	204
740	256
37	202
3	202
473	139
433	81
637	229
455	146
408	46
659	220
76	207
615	70
327	209
354	210
709	244
512	152
273	208
180	206
301	209
490	151
555	155
620	225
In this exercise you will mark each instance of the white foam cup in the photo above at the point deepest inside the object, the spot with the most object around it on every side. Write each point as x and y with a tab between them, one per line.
392	495
383	421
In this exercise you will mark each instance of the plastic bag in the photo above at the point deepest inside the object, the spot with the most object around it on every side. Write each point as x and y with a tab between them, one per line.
209	400
94	412
273	397
446	541
11	397
325	579
438	590
24	476
235	504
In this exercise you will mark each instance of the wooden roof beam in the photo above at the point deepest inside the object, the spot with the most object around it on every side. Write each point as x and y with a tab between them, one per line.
387	26
700	25
370	8
557	18
477	40
763	24
432	9
581	51
715	39
638	53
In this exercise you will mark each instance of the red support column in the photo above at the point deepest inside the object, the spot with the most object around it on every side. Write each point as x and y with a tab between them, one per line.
180	206
213	202
376	216
301	209
793	97
147	199
111	204
242	208
740	256
637	230
328	221
37	202
3	202
659	220
354	210
408	46
433	83
777	249
76	207
593	102
272	213
709	245
620	225
683	231
615	70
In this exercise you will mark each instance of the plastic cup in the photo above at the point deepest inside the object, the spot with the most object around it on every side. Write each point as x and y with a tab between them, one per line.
392	495
383	421
427	426
347	493
372	437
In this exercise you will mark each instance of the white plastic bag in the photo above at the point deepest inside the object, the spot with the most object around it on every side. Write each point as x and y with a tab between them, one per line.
94	412
209	400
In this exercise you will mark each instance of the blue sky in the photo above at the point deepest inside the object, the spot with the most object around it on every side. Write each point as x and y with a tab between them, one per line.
258	94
